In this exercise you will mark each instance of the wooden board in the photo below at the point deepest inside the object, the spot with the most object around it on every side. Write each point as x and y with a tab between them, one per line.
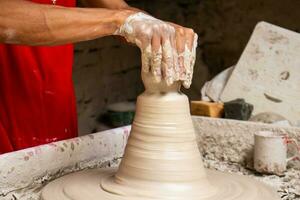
209	109
268	73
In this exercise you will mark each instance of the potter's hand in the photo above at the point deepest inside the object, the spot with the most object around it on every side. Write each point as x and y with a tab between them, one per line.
168	50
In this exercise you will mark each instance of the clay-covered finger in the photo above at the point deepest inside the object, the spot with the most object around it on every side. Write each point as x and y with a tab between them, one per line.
190	53
180	46
146	59
167	58
189	38
156	56
175	56
187	67
195	45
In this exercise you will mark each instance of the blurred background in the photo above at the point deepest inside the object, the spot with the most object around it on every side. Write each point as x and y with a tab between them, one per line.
107	71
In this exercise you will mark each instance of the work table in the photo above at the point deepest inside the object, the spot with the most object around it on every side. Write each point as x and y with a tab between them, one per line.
225	146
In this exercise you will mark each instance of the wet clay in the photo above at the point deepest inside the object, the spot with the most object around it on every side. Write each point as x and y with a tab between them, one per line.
163	61
161	160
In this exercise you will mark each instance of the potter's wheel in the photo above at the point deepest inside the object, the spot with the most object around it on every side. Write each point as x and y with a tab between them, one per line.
228	187
161	161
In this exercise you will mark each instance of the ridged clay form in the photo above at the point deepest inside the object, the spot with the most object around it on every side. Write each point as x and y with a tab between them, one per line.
161	160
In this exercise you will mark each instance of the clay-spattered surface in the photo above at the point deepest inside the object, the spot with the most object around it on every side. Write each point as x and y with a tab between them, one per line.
20	179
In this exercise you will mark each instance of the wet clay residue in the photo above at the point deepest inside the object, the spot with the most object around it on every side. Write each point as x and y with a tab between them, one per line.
284	75
274	99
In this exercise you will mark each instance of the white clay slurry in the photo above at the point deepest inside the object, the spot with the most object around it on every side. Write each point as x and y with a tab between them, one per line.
140	29
9	35
189	62
161	160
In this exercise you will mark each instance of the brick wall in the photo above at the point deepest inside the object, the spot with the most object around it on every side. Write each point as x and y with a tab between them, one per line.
107	71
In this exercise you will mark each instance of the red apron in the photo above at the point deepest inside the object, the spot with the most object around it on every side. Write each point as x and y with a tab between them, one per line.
37	102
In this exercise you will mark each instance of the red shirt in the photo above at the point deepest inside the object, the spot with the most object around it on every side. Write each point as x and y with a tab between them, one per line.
37	102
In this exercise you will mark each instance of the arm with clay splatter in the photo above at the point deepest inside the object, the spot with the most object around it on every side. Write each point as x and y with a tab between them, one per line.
168	50
28	23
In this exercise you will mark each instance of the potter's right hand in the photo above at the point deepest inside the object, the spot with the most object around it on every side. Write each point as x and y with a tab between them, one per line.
168	50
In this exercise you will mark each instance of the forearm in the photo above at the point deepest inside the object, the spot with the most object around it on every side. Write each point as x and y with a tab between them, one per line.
23	22
109	4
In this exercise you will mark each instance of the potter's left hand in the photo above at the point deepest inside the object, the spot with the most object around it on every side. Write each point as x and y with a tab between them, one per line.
168	50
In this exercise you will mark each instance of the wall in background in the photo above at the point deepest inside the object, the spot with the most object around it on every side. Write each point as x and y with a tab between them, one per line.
108	71
105	71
